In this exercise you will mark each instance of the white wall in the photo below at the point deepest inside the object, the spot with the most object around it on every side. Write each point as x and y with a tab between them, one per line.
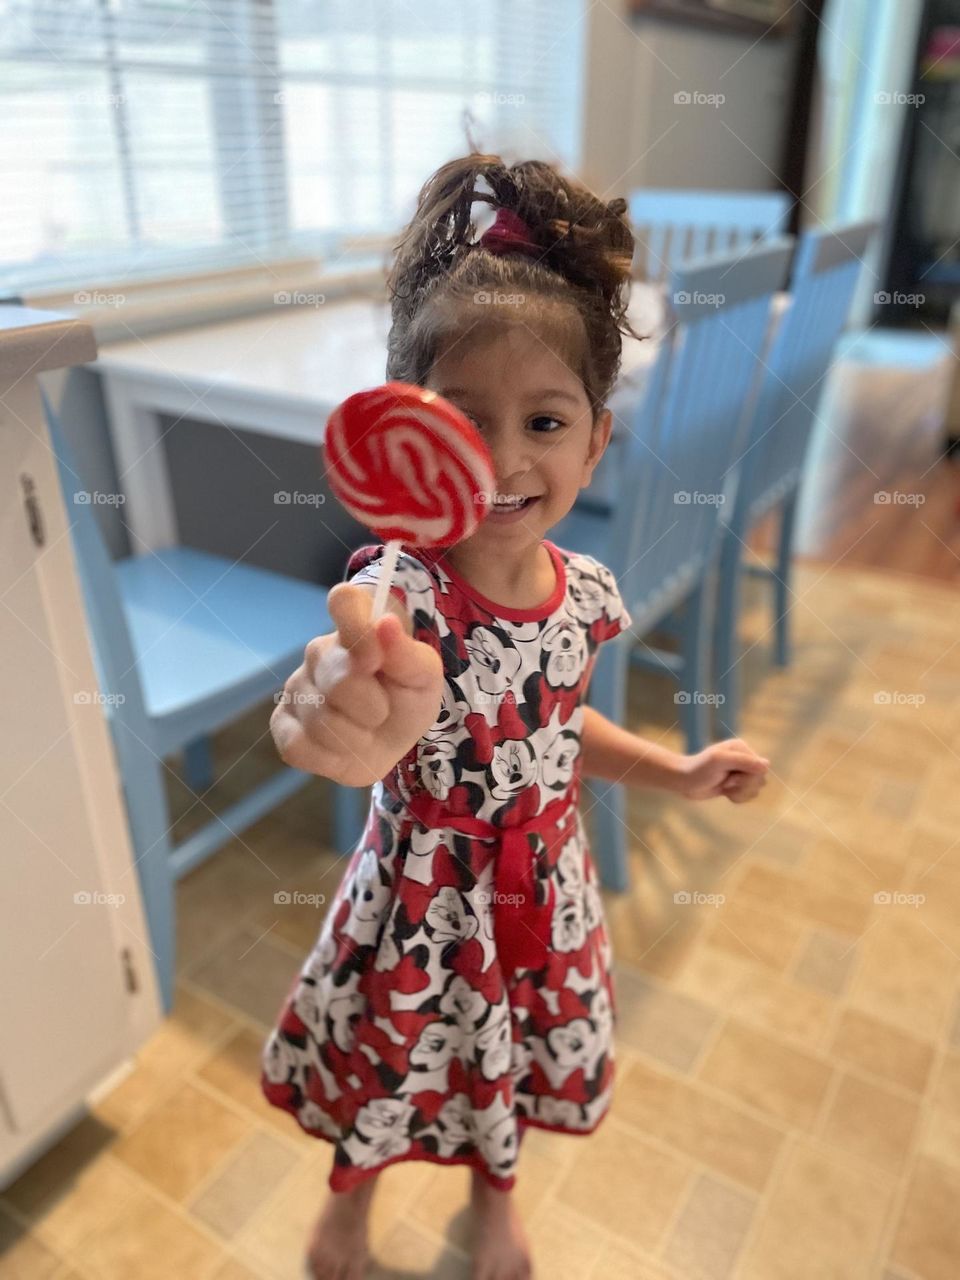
636	134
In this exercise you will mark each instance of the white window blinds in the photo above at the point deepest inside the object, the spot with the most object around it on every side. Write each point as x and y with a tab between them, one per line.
146	138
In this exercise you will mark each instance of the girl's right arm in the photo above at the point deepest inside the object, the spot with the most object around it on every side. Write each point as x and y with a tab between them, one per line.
363	695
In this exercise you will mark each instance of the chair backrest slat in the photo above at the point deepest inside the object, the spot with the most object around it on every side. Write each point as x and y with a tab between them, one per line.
689	426
825	277
673	226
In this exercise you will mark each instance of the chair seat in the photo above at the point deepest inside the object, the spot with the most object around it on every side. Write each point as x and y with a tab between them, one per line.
203	626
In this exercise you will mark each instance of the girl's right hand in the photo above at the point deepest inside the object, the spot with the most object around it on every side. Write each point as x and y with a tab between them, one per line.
362	696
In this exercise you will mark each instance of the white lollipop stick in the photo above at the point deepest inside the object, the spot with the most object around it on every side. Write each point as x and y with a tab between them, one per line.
385	579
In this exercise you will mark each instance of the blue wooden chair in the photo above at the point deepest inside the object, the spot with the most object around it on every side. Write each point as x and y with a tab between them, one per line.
673	227
660	538
185	642
825	275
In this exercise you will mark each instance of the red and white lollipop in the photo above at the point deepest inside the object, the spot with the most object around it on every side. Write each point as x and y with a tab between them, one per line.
411	467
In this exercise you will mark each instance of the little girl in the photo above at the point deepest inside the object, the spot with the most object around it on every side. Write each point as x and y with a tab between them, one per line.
460	989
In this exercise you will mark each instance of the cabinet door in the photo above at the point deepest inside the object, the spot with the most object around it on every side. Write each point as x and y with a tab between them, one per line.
63	998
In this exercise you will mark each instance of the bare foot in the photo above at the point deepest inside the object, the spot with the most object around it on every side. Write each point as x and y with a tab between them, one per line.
338	1245
501	1251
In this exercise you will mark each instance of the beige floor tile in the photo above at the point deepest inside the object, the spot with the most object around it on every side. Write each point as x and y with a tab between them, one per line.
251	973
781	891
871	1121
661	1022
566	1245
691	1119
905	974
823	1221
928	1234
625	1185
236	1269
826	961
182	1041
784	1082
946	1093
754	933
276	1237
227	1203
940	1136
181	1142
618	1263
709	1234
783	1008
47	1183
407	1254
146	1239
400	1189
234	1070
96	1194
882	1049
22	1255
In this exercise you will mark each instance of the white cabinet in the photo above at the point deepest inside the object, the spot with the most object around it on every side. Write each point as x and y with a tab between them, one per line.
77	988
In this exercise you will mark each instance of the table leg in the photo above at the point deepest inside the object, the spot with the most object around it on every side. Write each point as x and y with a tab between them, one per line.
142	474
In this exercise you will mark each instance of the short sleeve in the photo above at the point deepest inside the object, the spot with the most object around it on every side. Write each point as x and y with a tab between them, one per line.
615	617
412	585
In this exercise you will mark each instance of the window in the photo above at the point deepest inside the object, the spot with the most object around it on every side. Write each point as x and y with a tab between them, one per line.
156	137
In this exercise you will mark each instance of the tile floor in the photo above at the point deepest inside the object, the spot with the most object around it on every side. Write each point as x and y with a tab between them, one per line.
788	1095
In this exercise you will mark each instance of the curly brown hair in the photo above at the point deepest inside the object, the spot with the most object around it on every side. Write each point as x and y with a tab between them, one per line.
573	295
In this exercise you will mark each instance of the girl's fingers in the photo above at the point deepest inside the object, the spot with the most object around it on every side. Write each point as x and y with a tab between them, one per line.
361	699
406	661
350	609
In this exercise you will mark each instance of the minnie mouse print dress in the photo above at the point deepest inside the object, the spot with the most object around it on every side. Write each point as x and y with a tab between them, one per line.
459	989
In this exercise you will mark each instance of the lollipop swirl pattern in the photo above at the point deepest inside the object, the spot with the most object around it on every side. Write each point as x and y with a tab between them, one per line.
407	464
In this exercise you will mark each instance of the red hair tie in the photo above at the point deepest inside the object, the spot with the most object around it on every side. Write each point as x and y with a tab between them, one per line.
508	234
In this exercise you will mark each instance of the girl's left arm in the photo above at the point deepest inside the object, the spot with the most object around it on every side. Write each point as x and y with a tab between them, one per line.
614	754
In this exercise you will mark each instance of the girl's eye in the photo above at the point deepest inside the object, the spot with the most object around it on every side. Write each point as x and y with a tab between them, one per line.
545	418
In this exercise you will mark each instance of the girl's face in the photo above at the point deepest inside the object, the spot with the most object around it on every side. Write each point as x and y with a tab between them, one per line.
534	415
